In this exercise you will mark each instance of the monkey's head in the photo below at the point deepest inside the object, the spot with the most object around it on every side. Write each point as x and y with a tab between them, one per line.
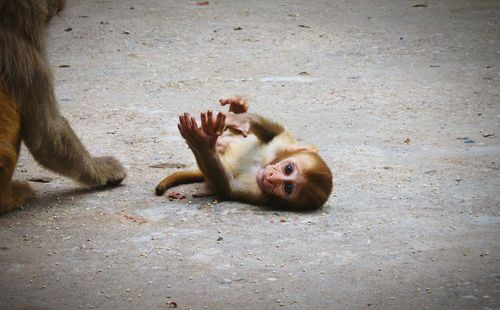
298	179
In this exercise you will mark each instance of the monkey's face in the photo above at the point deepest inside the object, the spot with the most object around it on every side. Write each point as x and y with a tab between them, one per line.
284	179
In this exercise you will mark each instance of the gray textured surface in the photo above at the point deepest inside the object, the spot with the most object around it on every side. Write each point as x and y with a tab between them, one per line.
410	225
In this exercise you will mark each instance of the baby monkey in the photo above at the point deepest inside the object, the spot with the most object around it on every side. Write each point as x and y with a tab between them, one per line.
246	157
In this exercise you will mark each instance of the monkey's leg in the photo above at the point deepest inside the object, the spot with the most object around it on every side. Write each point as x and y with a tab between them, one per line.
178	178
237	104
27	78
12	193
54	144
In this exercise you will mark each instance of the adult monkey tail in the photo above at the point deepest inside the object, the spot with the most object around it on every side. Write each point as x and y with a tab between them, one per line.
29	103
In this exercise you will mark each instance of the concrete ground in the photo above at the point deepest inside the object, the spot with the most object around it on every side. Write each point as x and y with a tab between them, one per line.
401	97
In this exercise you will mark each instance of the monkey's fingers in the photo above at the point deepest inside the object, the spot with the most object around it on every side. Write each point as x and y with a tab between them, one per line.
187	137
184	125
190	121
185	121
185	116
196	132
193	125
179	126
206	125
210	123
203	118
220	123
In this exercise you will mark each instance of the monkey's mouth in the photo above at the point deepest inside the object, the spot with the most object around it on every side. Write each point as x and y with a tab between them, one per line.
260	177
265	185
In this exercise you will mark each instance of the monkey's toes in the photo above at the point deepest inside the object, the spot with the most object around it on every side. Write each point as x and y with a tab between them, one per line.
112	170
22	191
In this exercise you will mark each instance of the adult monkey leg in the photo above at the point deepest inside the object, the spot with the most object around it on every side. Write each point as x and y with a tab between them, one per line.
12	193
53	143
27	78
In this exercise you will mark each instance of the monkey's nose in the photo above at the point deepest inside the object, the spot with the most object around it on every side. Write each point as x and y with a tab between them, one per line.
272	178
268	179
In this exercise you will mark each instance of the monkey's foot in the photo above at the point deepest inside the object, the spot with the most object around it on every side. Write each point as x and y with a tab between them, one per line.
19	193
110	171
22	191
237	104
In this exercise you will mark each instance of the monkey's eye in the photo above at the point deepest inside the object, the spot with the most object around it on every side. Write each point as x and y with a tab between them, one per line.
288	188
288	169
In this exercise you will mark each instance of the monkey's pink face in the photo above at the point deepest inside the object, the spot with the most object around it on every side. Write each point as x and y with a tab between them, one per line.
283	179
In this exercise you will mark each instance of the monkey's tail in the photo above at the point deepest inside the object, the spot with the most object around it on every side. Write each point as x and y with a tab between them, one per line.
178	178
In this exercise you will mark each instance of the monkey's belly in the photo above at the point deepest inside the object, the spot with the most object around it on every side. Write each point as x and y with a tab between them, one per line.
223	143
239	153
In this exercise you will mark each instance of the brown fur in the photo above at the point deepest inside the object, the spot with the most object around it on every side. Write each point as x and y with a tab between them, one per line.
12	193
229	166
29	109
178	178
319	185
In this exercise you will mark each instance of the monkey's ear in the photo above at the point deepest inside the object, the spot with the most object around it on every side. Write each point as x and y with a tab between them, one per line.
303	148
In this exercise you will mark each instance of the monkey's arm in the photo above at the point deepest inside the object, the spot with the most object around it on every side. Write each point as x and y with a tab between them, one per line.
202	143
215	174
260	126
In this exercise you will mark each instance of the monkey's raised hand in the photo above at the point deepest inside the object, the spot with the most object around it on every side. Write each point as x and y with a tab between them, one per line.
237	104
202	142
213	127
204	137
